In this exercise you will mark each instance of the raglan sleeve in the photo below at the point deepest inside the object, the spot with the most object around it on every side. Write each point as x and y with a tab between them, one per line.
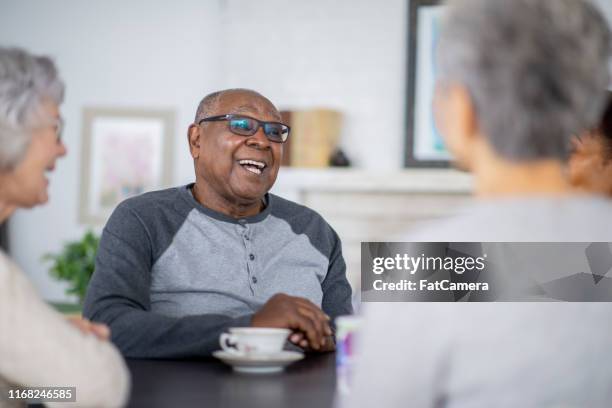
337	291
119	296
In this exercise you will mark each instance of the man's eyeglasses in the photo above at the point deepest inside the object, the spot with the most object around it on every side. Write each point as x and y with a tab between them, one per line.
247	126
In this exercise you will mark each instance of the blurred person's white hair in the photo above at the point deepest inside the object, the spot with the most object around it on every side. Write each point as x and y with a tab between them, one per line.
25	82
536	70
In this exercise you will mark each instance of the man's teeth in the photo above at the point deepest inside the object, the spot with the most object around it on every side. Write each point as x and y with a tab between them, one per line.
253	169
253	166
254	163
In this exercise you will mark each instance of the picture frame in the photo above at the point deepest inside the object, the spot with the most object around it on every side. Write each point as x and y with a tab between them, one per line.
424	146
125	152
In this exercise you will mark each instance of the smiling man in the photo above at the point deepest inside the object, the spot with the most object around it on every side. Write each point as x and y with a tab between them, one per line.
177	267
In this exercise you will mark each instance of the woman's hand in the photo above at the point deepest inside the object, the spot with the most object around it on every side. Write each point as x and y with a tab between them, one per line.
101	331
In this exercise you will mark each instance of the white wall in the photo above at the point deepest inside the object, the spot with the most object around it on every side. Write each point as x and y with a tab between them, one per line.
159	54
344	54
115	53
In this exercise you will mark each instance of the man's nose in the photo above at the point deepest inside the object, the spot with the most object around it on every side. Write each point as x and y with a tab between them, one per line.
259	140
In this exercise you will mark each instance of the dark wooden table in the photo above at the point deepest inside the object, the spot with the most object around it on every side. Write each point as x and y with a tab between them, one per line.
307	383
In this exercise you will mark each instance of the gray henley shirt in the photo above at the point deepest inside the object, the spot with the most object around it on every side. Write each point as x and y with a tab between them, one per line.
171	274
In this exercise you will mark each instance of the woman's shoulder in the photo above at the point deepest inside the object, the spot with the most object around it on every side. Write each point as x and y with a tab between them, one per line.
8	267
554	219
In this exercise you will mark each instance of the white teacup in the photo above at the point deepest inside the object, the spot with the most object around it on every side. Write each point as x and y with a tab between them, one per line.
253	340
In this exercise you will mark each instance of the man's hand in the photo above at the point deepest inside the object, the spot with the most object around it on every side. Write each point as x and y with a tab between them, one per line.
298	314
101	331
299	340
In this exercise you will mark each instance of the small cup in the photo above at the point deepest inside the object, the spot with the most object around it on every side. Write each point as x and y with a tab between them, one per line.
253	340
347	329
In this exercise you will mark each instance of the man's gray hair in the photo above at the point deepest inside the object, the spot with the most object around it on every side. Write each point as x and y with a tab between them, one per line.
208	104
25	82
536	70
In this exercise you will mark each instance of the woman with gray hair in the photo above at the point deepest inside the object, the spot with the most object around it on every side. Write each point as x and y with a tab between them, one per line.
516	80
38	347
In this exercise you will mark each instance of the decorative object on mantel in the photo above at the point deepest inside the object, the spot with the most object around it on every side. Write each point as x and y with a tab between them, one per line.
339	159
75	264
315	134
125	152
424	146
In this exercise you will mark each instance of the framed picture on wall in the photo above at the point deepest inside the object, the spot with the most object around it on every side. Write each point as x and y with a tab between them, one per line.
125	152
424	146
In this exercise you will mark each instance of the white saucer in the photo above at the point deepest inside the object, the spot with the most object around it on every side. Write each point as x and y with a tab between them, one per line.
261	364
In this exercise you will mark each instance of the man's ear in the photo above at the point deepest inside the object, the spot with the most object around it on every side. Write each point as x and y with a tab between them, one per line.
193	136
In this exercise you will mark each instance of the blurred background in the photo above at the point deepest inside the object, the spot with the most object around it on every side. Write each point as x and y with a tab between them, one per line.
344	56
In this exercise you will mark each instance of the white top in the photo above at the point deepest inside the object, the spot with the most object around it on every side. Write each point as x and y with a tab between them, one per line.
39	348
493	354
580	218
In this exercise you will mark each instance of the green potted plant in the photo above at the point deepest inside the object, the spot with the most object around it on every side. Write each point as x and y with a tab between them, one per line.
75	264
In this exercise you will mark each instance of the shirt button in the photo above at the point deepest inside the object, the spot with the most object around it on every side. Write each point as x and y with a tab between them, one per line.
251	257
254	279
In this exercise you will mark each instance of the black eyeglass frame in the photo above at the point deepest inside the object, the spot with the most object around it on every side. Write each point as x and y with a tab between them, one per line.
260	124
